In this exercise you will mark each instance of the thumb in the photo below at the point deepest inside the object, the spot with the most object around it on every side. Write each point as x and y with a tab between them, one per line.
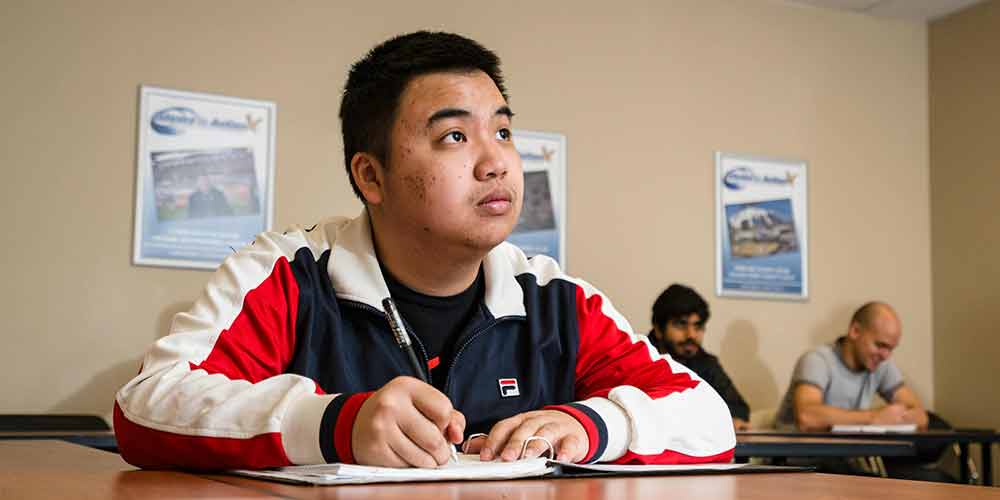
454	432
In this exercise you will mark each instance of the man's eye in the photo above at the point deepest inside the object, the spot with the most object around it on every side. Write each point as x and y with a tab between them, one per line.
453	137
504	134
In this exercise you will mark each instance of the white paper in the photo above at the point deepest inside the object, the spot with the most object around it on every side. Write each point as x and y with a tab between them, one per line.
876	429
468	468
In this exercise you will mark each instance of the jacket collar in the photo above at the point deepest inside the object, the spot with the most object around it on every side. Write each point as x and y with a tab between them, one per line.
355	273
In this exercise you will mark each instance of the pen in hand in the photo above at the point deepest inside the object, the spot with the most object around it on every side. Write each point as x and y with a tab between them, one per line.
403	340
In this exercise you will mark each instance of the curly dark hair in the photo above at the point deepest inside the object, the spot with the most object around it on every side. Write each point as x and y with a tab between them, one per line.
676	302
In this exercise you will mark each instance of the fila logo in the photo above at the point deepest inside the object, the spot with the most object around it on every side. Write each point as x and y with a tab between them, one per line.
508	387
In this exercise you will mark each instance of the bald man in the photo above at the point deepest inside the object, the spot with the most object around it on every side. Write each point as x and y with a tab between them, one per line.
835	383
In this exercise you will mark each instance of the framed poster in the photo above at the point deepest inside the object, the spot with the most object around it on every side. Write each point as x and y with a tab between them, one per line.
204	177
762	228
541	228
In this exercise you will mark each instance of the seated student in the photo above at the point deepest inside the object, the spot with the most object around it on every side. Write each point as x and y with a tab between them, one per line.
835	383
679	318
287	358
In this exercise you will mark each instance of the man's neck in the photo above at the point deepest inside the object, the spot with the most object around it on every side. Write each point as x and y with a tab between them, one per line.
845	349
423	266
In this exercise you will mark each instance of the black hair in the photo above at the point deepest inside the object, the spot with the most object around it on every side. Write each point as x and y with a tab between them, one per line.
677	302
371	98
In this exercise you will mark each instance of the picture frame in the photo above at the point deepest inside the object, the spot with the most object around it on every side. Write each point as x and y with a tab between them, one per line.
204	176
761	227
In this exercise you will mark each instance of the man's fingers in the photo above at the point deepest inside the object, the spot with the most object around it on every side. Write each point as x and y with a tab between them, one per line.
411	454
455	430
433	404
512	450
474	444
550	432
571	449
498	437
423	434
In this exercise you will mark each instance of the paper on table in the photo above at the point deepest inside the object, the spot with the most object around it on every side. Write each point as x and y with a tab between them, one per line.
468	468
876	429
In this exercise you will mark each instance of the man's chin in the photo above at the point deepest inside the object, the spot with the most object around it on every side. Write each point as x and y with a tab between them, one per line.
489	237
685	353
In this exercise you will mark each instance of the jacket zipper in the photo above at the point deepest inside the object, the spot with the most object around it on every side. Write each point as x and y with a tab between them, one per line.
476	334
420	345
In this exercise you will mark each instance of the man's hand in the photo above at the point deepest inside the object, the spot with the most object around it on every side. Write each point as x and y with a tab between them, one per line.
914	416
740	425
406	423
506	438
890	414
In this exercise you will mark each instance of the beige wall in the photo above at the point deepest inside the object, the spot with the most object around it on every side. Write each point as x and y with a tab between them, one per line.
646	92
965	200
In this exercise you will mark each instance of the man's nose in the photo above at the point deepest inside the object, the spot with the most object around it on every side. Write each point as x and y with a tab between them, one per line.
491	162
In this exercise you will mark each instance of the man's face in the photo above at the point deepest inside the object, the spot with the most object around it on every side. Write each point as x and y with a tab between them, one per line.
453	176
684	335
875	344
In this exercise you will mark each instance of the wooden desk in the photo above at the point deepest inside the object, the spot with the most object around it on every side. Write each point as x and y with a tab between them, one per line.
984	437
32	469
57	470
795	485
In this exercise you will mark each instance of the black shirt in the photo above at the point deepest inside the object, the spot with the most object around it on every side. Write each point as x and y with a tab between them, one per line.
438	323
708	368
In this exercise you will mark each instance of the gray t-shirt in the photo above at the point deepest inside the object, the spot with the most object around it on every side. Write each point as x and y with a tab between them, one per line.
842	388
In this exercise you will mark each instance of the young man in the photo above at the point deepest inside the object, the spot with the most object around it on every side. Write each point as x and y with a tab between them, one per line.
836	383
679	318
287	357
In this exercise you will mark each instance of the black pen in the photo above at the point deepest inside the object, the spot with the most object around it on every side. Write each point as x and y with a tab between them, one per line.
403	340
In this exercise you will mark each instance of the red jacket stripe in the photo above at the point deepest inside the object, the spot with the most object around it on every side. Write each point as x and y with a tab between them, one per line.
146	447
261	339
607	356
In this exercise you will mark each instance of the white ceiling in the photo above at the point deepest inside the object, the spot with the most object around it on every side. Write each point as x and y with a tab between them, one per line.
911	10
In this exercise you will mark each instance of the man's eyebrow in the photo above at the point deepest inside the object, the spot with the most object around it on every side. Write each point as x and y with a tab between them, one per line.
442	114
445	113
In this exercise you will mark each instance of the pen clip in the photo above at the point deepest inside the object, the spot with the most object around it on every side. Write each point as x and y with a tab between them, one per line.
395	322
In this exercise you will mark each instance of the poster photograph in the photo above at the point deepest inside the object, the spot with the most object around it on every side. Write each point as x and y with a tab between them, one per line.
541	228
205	171
761	228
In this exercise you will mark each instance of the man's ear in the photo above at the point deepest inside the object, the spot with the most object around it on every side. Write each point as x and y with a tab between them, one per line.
368	174
657	333
854	332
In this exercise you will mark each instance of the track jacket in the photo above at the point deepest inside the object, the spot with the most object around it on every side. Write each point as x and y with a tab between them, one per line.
273	361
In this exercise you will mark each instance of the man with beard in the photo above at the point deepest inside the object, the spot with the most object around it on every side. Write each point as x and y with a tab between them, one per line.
679	318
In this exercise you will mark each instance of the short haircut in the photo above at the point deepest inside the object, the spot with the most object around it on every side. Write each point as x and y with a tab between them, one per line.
866	314
375	84
676	302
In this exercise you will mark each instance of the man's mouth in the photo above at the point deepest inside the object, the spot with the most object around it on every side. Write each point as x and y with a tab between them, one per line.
496	202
